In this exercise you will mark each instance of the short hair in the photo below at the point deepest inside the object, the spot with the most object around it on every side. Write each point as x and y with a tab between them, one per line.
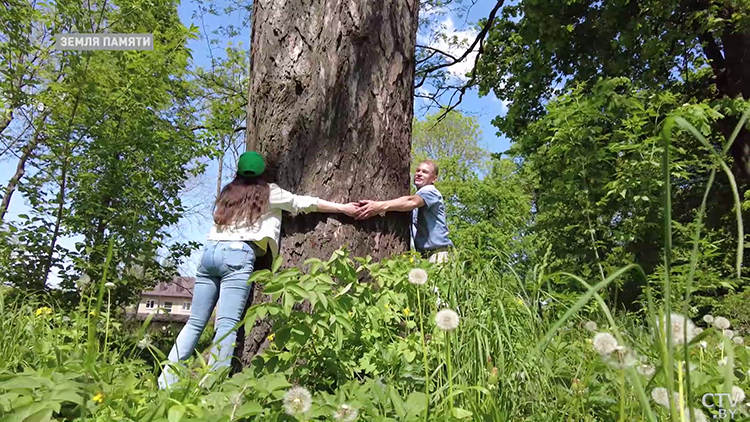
432	163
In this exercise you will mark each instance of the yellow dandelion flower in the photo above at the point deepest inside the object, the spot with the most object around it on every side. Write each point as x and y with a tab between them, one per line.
351	313
407	312
43	311
98	398
387	307
271	337
411	260
519	301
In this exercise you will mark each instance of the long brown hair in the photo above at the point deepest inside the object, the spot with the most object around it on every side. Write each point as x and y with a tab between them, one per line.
242	200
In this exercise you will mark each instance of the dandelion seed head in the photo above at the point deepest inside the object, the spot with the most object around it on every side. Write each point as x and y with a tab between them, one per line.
708	318
728	333
646	370
418	276
721	323
591	326
698	415
738	340
447	320
144	342
83	281
621	358
297	400
677	330
604	343
738	394
109	284
703	344
697	330
345	413
661	396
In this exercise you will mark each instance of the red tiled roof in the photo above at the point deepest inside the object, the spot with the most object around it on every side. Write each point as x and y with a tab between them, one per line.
179	287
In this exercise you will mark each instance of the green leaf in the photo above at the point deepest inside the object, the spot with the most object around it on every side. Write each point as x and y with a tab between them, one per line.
175	413
277	264
416	403
398	403
249	409
460	413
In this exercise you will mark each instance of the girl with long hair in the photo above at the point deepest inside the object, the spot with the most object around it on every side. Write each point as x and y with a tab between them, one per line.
247	225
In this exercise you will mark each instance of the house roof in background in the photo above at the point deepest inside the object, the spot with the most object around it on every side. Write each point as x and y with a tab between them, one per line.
178	287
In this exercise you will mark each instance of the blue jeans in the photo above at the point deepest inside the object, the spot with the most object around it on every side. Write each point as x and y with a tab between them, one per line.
223	274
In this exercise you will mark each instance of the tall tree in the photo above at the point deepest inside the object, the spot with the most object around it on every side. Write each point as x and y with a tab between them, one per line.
331	103
538	47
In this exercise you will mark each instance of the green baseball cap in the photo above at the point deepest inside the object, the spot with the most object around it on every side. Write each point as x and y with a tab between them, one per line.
251	164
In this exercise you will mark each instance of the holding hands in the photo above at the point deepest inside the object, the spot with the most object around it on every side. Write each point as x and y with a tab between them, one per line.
367	209
364	209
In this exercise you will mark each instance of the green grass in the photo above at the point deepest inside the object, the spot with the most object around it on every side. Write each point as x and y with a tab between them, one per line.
520	353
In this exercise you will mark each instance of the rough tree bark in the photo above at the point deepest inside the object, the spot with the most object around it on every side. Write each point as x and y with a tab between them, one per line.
331	103
730	62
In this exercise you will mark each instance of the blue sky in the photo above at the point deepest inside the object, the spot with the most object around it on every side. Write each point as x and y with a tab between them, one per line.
195	225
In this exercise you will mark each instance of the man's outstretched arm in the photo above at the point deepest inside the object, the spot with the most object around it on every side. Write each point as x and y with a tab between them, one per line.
369	209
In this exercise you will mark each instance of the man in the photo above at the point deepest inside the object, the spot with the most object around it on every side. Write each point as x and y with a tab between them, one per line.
429	233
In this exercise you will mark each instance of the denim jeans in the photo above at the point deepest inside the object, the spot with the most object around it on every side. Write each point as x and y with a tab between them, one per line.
222	275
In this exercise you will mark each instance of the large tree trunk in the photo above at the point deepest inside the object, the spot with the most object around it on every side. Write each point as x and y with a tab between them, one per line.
731	67
331	103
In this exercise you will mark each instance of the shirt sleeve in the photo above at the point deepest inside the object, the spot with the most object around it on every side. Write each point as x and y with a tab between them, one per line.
289	202
430	195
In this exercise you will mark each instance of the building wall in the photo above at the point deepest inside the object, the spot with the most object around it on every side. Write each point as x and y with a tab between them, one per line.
151	304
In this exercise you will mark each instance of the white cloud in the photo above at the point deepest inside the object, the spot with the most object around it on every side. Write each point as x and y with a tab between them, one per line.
455	42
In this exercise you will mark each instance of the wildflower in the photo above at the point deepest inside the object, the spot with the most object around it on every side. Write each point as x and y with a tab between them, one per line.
345	413
721	323
418	276
698	415
407	311
738	340
738	395
577	385
446	320
723	361
591	326
109	284
604	343
678	323
703	344
708	318
145	342
271	337
297	400
728	333
351	313
411	260
98	398
43	311
661	396
646	370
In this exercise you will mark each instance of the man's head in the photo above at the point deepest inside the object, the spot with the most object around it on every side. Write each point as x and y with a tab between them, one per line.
426	174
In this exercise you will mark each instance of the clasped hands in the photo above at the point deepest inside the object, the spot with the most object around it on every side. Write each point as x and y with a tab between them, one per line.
364	209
